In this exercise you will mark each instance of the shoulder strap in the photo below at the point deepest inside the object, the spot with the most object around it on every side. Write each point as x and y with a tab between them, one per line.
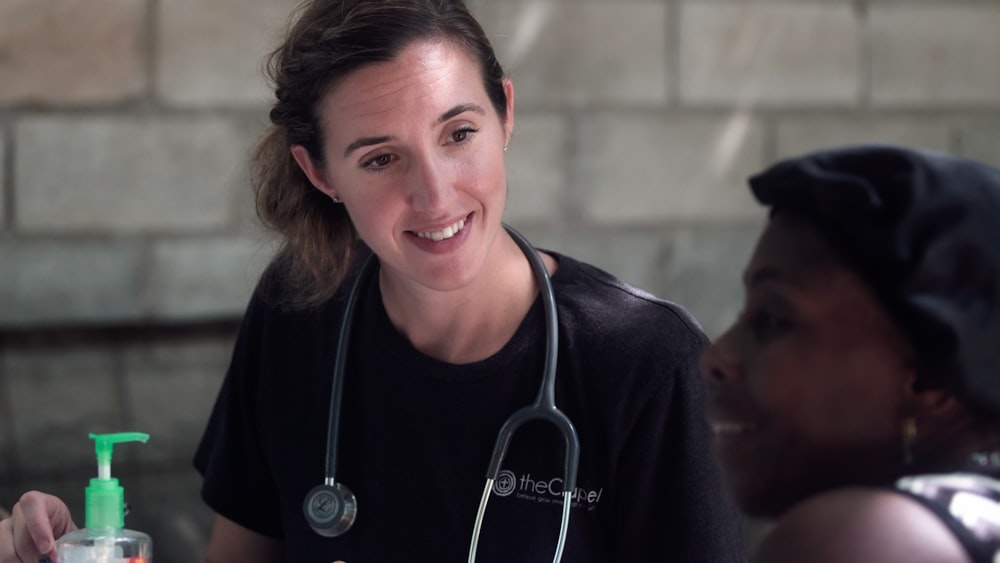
968	504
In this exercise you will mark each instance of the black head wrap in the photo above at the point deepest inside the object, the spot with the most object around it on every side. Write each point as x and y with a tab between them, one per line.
923	229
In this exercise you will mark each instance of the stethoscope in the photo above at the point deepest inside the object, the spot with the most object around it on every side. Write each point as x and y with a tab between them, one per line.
331	508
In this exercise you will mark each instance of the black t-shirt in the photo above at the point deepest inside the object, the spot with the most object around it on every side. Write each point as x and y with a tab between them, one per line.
417	434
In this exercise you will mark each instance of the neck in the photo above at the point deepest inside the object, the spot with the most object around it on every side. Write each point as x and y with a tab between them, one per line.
463	325
965	448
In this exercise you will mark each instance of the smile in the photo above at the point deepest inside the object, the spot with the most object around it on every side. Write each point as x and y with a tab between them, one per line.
443	234
732	427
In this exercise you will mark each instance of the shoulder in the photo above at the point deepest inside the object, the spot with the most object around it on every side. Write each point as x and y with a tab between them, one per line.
860	524
593	297
277	294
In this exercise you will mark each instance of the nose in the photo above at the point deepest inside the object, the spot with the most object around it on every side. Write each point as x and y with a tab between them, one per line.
432	183
720	362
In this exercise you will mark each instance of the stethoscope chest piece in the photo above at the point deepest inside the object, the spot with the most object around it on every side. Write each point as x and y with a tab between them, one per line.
330	509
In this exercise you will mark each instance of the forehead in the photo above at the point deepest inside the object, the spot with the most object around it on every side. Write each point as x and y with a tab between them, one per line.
793	259
425	77
793	248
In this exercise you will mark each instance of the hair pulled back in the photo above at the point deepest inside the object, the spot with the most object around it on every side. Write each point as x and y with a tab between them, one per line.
326	41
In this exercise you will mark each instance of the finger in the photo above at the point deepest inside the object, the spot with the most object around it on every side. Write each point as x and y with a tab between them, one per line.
23	544
50	513
7	553
39	519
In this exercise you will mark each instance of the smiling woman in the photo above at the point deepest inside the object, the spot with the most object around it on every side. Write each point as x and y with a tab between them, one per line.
414	152
830	367
857	398
383	171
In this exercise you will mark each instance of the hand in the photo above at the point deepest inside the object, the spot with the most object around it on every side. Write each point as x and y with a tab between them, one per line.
31	531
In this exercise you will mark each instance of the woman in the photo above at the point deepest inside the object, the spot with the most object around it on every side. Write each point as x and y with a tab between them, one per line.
856	400
388	138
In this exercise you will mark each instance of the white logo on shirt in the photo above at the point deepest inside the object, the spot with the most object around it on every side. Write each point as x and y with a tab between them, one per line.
505	483
542	490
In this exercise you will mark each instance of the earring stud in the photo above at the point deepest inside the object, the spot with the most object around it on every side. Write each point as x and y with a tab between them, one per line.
909	439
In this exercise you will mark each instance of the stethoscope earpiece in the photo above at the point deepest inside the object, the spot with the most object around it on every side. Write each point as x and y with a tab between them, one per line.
330	509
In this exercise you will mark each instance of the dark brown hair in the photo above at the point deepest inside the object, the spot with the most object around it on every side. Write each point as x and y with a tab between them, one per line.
327	40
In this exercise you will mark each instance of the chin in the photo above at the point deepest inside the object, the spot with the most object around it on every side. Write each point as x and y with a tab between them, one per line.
761	501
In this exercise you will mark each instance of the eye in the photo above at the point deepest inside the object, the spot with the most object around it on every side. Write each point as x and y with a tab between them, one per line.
765	325
463	134
378	163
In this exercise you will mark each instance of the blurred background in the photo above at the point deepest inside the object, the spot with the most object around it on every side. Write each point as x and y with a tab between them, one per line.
128	243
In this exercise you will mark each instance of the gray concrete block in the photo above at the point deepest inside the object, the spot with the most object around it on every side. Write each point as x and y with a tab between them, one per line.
131	173
4	166
698	267
249	127
60	282
7	424
203	277
71	51
647	168
211	51
980	139
536	171
571	53
636	256
59	396
799	134
705	270
749	53
171	387
935	53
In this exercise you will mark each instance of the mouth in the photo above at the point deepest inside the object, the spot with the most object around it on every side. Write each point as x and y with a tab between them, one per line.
732	428
443	234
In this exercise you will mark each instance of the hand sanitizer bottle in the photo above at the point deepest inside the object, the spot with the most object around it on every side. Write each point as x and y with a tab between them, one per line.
105	539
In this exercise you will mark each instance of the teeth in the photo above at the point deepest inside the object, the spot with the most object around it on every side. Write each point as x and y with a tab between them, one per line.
445	233
732	427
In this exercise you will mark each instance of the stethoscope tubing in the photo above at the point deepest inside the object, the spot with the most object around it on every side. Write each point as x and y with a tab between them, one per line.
543	407
343	340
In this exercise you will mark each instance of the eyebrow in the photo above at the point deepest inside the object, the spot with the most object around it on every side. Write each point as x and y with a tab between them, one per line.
365	142
453	112
758	277
459	110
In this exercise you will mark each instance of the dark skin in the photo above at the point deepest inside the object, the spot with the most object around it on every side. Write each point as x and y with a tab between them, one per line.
810	388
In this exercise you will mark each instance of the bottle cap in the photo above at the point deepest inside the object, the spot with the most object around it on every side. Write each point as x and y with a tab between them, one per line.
105	498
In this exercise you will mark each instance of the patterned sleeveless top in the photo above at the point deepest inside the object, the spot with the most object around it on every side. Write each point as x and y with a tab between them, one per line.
968	503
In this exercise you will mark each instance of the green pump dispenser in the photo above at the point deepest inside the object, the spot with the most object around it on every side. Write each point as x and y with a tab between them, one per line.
105	539
105	498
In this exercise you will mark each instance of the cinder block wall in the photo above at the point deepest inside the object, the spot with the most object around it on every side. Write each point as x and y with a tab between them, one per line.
127	241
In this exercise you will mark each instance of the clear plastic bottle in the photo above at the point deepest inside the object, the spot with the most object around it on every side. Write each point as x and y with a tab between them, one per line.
104	538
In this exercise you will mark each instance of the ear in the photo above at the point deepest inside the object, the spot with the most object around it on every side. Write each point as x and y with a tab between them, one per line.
508	122
313	172
924	399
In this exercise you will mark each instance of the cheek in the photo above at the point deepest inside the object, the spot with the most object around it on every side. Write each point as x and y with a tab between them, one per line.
484	173
370	212
834	399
